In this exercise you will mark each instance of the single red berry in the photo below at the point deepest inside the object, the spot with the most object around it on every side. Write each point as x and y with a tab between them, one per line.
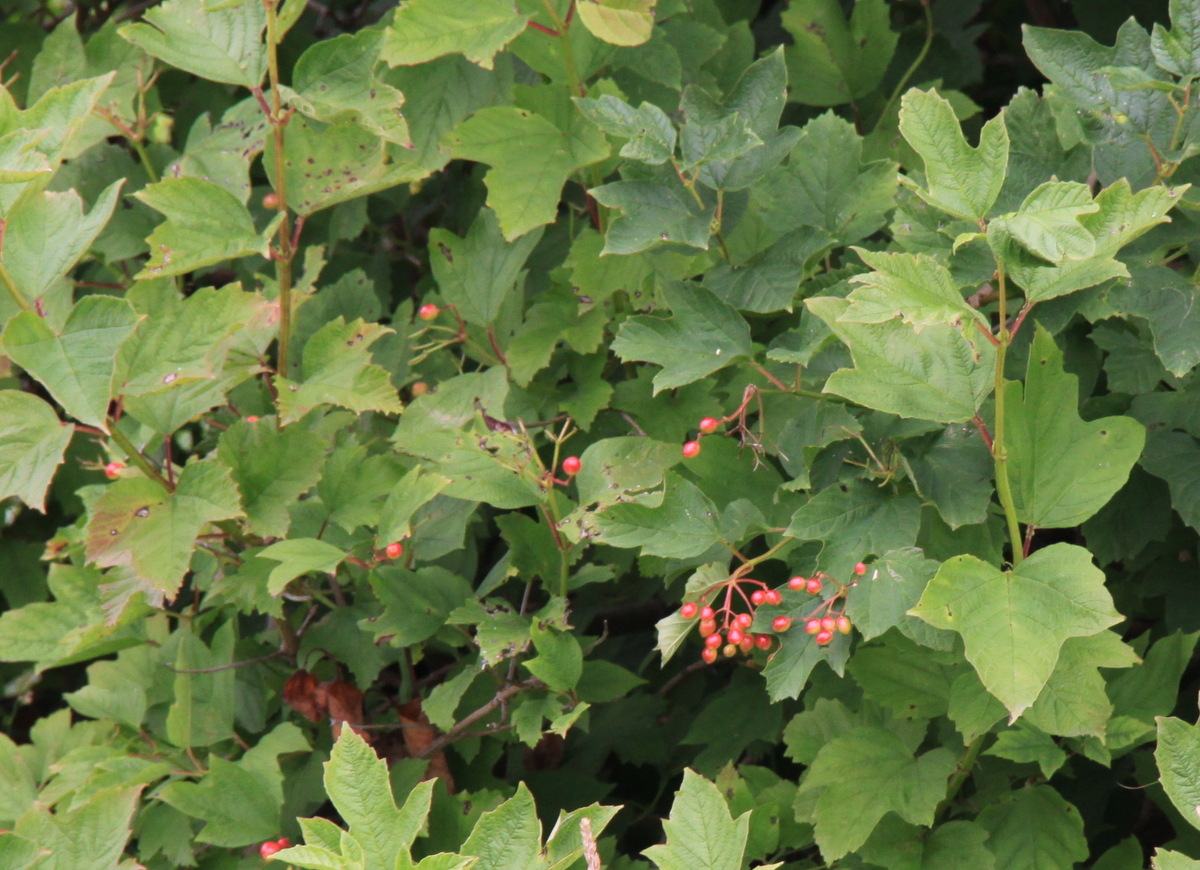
268	849
812	626
813	587
730	650
763	641
796	584
571	466
735	635
773	597
420	388
428	312
860	569
251	418
781	623
706	612
709	425
828	623
709	655
746	643
691	450
713	640
113	470
284	843
689	610
823	638
394	550
271	201
743	620
843	624
707	627
757	597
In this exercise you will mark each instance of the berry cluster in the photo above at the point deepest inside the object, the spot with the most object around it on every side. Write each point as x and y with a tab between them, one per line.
825	618
707	426
269	848
728	628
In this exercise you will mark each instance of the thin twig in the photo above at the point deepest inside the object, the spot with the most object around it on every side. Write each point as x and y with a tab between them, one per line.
458	731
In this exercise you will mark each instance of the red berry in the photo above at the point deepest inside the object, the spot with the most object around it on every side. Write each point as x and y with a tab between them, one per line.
773	597
757	597
709	655
706	612
713	640
813	587
271	201
735	635
707	626
781	623
812	626
824	637
284	843
843	624
113	470
763	641
571	466
746	643
709	425
251	418
743	620
828	623
796	584
420	388
394	550
428	312
691	450
860	569
730	650
689	610
268	849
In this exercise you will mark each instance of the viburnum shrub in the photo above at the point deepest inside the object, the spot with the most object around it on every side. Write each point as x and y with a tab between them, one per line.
565	434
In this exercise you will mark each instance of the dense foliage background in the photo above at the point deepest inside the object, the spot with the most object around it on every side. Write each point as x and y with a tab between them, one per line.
353	366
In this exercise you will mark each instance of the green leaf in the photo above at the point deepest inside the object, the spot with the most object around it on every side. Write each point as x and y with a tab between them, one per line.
1074	702
855	520
957	845
298	556
1173	457
1165	860
422	30
1063	469
1014	623
205	225
17	853
509	837
334	81
46	235
703	335
138	524
90	836
882	597
237	806
910	681
683	527
627	470
32	444
701	832
936	374
414	491
872	770
1151	690
1048	224
1178	757
559	661
961	180
76	364
1178	50
416	604
916	287
337	370
954	471
650	132
655	209
477	274
618	22
834	61
1025	744
530	159
825	183
218	42
272	468
356	780
1033	827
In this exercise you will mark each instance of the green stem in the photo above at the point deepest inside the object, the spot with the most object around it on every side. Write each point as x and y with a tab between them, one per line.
927	5
13	291
151	172
137	457
965	765
283	260
999	450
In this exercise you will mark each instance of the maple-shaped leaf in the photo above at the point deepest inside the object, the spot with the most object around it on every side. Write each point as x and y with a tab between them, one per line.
422	30
1014	623
701	832
915	287
138	523
32	443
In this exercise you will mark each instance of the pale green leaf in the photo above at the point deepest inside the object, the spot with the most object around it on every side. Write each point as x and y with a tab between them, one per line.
413	492
701	832
509	837
619	22
684	526
1025	744
1178	50
425	29
650	132
1013	623
90	836
32	444
1074	702
916	287
1178	757
272	468
224	45
1048	224
1033	828
298	556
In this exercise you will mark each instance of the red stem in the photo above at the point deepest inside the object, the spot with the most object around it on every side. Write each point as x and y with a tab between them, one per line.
549	31
987	332
983	430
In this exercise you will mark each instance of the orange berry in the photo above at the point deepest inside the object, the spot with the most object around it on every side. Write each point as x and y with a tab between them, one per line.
707	626
743	620
823	638
828	623
709	425
730	650
843	624
796	584
251	418
735	635
428	312
813	626
420	388
691	450
271	201
709	655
